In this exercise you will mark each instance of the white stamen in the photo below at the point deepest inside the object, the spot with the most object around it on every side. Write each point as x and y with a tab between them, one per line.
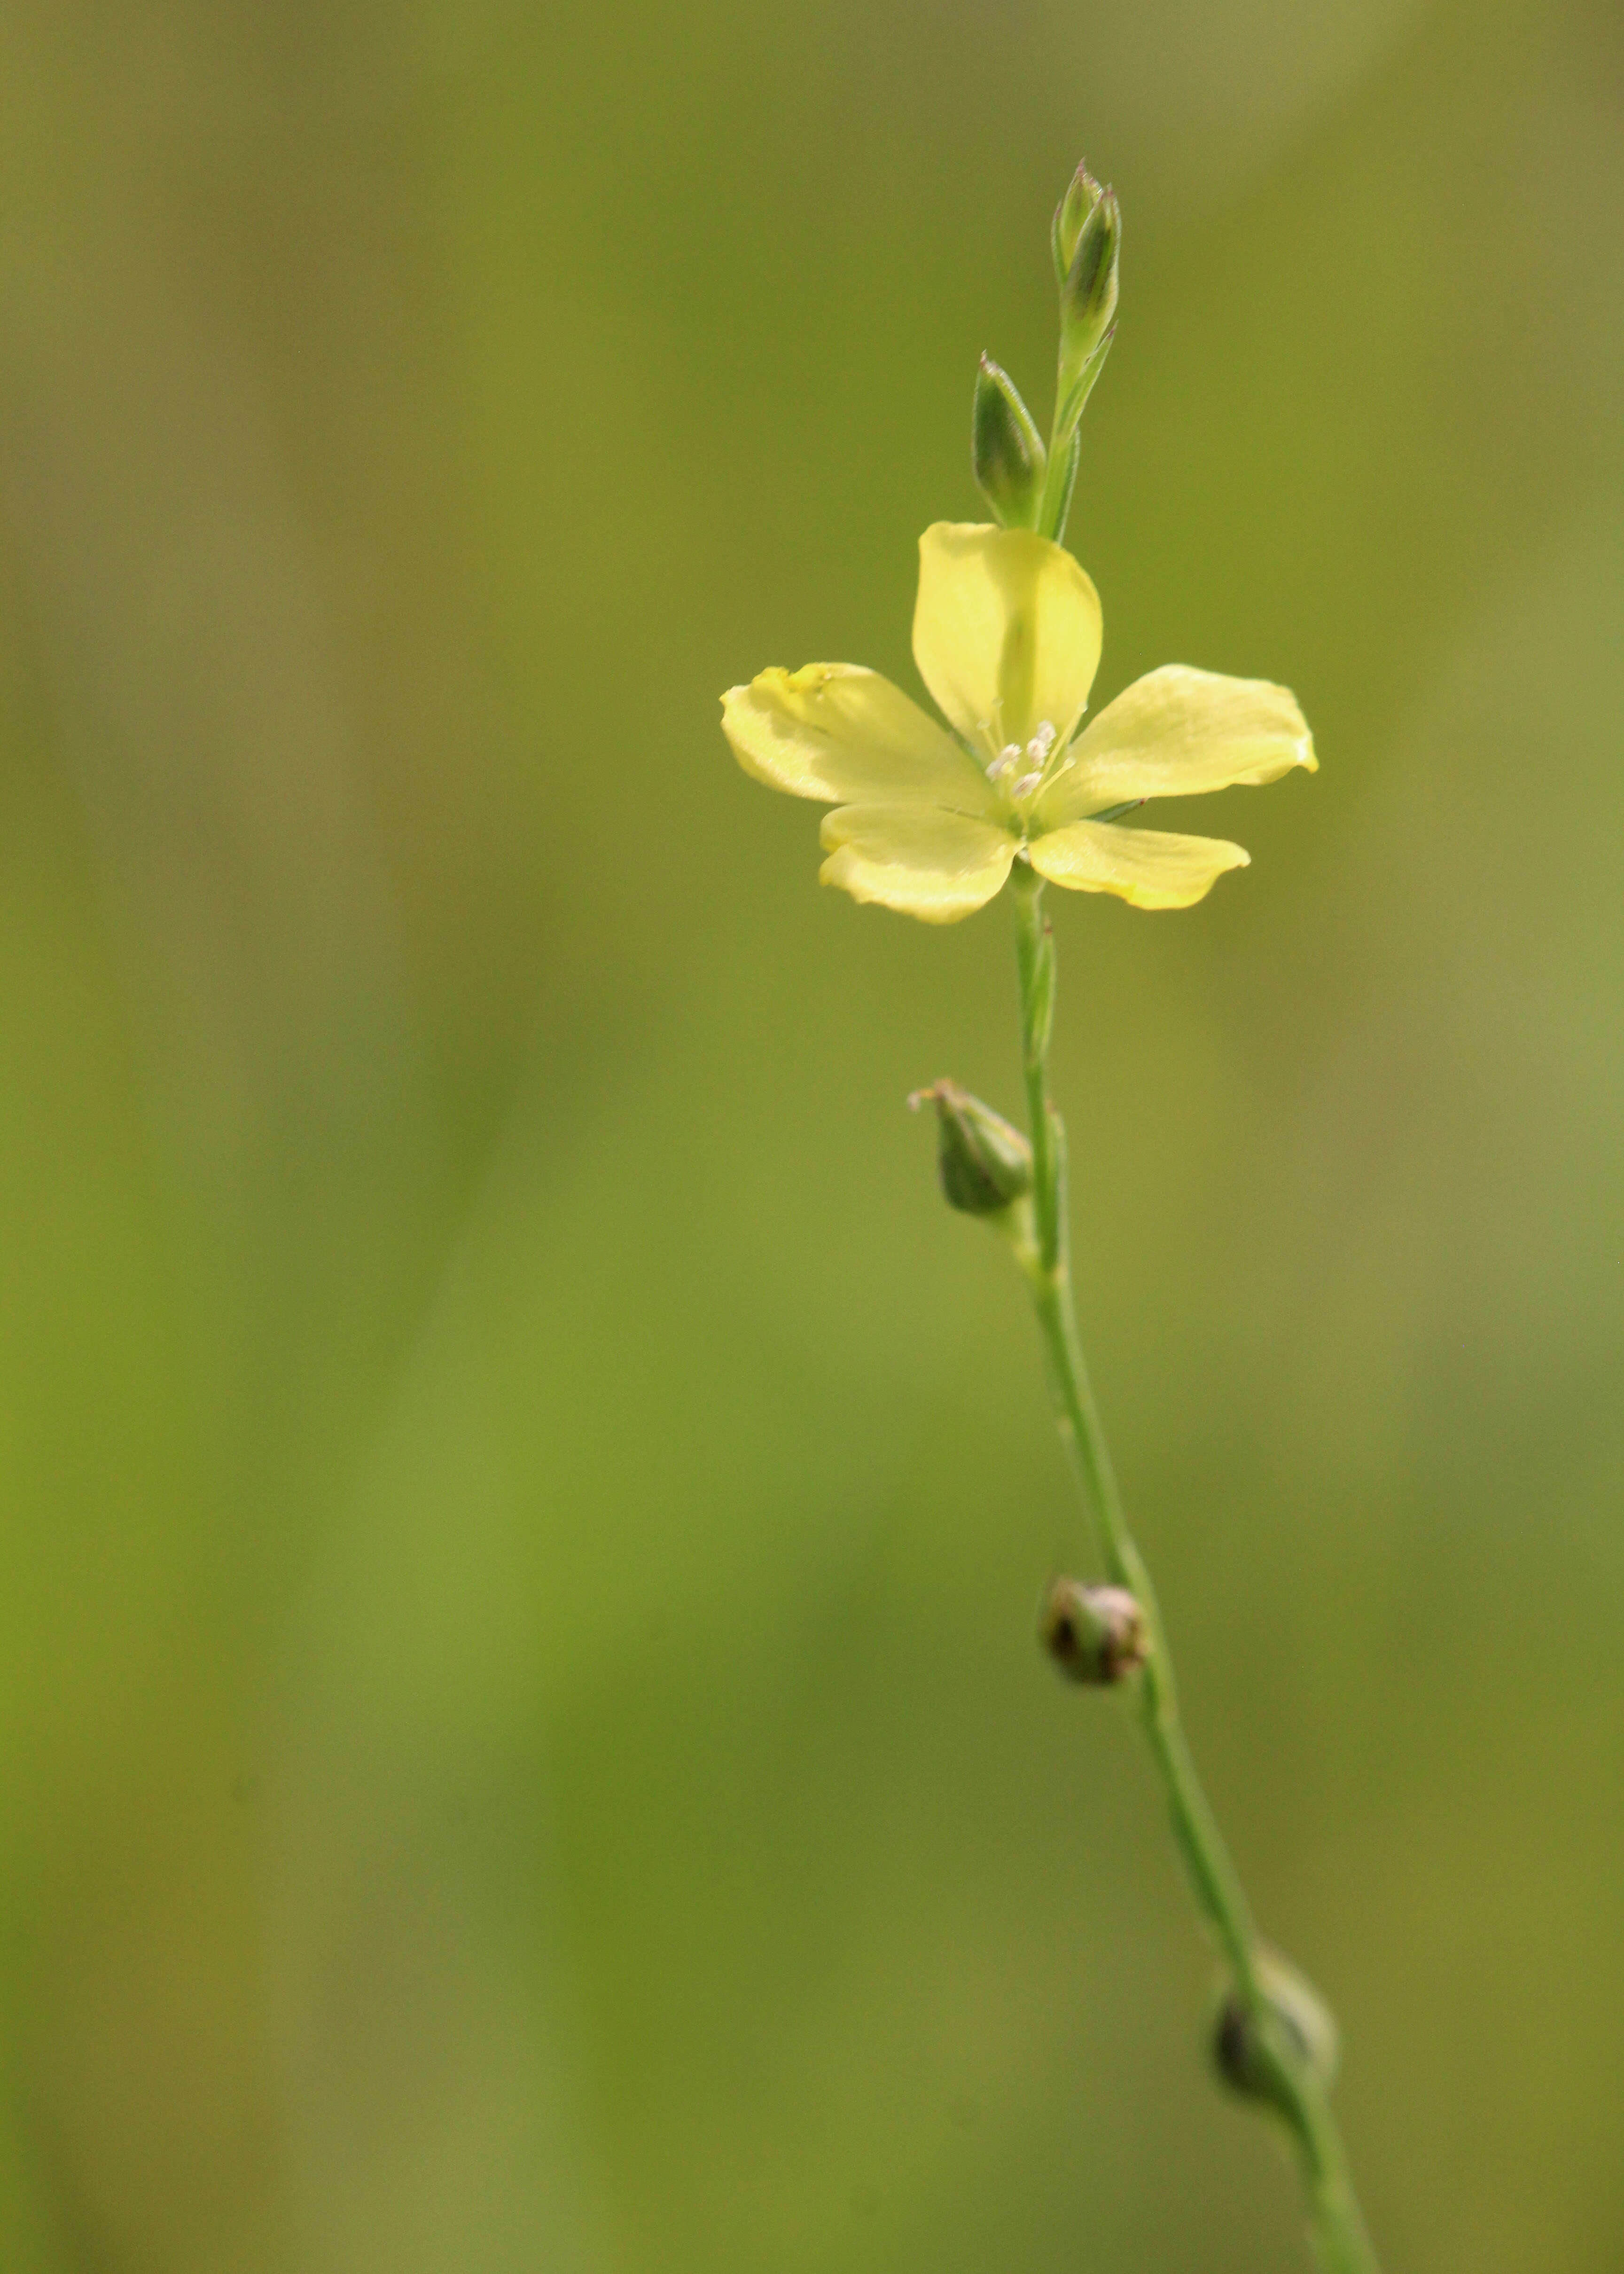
1043	741
1028	783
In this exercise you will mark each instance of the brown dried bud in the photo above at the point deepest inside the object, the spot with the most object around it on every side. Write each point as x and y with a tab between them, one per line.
1095	1635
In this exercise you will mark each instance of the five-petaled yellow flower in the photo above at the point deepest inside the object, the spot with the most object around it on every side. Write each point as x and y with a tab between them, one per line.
1006	635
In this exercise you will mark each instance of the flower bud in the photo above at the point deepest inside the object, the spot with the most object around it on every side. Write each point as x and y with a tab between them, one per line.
1006	450
1095	1635
1088	290
985	1163
1304	2025
1083	194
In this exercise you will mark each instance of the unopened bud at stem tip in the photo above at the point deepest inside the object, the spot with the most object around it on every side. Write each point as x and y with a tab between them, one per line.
1088	290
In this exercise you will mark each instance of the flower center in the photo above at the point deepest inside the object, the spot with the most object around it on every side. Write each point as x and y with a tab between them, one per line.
1023	766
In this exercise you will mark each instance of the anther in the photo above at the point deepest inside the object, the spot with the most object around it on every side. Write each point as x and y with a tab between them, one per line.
1027	783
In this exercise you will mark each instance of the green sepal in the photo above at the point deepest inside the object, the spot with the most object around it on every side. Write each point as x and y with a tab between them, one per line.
1082	195
1006	451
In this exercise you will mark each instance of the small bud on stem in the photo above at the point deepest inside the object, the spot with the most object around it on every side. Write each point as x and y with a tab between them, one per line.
1304	2023
1006	451
1095	1635
985	1161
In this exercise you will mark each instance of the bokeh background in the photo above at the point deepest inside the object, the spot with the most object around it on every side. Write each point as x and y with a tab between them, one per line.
520	1743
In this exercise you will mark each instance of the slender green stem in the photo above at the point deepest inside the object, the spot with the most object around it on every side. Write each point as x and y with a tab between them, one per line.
1059	480
1338	2231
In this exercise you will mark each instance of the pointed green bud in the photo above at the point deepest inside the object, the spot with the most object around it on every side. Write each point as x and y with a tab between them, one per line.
985	1163
1095	1635
1302	2033
1088	291
1083	194
1087	230
1006	450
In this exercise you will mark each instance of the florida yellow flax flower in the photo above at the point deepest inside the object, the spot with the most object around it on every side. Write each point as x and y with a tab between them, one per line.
1006	635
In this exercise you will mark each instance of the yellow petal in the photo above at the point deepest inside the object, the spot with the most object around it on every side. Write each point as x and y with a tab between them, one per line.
836	731
1006	632
1177	732
934	865
1150	868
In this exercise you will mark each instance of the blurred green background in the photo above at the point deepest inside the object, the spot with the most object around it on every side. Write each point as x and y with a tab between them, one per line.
523	1746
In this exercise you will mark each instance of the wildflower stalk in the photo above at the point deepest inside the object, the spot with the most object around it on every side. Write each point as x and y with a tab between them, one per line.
1285	2079
1006	635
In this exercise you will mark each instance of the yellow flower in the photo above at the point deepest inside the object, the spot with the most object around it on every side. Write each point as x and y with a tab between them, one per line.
1006	635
